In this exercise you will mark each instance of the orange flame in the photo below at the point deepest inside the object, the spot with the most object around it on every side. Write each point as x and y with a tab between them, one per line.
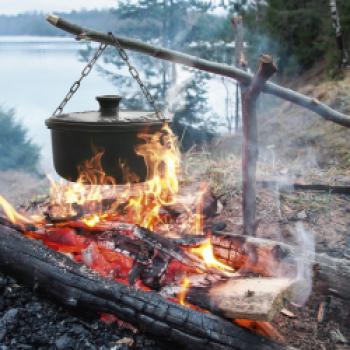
12	214
205	251
185	284
143	203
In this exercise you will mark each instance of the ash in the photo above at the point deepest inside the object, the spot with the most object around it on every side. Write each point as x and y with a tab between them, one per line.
29	321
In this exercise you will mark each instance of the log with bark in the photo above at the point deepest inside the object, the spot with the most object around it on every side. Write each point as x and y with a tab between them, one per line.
250	141
57	276
272	258
252	298
217	68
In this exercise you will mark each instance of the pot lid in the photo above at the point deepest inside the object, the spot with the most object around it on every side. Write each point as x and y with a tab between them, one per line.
108	118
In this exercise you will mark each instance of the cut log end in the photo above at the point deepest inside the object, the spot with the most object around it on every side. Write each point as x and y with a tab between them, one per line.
258	299
53	19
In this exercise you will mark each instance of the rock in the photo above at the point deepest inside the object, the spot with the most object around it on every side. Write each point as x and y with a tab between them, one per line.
64	342
6	320
337	336
301	215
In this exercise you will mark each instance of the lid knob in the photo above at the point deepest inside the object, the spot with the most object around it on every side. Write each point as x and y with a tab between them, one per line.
109	105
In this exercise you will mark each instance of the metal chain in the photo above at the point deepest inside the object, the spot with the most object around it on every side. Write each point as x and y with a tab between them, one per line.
84	73
135	74
87	69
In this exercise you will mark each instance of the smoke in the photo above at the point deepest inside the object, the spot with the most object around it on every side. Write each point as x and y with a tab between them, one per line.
175	99
306	254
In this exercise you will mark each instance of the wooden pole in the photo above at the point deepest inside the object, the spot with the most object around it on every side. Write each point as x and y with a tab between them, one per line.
250	140
212	67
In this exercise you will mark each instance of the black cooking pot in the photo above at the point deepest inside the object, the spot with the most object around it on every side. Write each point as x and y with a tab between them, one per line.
77	136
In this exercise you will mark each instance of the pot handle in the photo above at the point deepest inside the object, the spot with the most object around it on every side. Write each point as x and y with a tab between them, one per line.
109	105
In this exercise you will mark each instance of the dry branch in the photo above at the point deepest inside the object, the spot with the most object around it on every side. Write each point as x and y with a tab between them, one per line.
289	187
250	140
221	69
58	276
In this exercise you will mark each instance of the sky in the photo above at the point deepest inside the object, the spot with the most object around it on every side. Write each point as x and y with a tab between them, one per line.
18	6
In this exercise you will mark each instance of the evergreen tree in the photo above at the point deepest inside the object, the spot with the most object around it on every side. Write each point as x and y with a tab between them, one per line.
297	32
175	24
16	150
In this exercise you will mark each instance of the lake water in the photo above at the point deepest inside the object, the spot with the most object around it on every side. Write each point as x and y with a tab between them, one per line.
36	73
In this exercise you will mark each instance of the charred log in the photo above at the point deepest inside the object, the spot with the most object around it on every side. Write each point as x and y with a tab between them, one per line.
57	276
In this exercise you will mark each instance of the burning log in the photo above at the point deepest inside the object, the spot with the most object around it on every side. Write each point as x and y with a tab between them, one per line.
59	277
271	258
221	69
250	140
257	299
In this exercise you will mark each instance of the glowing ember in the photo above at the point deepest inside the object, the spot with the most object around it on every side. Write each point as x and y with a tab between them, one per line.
92	220
205	251
185	284
116	230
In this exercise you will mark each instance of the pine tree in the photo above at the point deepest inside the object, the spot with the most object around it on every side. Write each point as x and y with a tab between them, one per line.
174	24
16	150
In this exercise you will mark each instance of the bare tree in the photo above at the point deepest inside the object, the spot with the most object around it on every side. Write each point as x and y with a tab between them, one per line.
344	60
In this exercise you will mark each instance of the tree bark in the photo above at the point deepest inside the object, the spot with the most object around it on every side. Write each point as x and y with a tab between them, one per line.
71	284
221	69
250	141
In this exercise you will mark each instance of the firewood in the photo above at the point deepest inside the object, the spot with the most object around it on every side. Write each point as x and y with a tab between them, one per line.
269	257
57	276
257	299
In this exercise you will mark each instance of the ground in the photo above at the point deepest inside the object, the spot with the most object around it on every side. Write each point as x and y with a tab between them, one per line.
296	145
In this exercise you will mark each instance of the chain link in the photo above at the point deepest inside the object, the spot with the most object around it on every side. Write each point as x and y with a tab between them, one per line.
135	74
76	85
132	70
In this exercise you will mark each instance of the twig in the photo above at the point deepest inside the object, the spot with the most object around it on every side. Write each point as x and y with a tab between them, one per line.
287	187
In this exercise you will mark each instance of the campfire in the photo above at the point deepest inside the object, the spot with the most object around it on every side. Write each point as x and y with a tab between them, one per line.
160	236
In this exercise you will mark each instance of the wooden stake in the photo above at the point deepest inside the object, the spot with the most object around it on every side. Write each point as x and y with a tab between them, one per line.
250	140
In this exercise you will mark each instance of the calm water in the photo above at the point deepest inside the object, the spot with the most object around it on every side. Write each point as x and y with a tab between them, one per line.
36	73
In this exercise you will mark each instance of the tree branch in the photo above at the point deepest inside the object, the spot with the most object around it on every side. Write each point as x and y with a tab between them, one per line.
221	69
250	140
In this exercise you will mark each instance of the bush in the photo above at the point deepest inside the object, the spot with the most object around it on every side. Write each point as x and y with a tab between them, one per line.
16	150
